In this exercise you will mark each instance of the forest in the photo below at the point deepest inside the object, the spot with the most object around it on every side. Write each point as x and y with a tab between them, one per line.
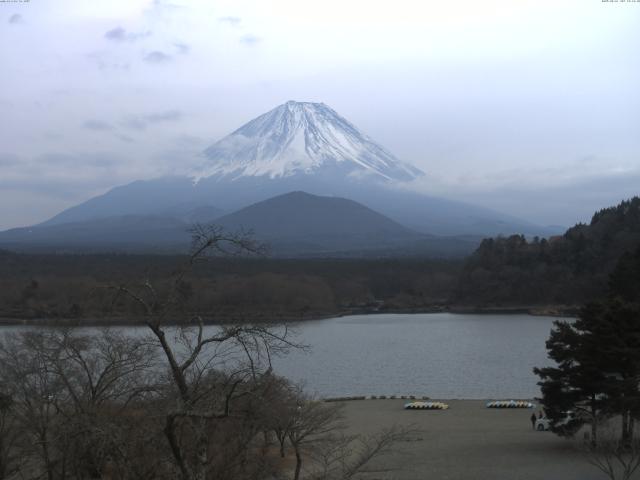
563	270
503	273
71	287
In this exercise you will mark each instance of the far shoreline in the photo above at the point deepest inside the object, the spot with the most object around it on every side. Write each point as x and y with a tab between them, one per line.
560	311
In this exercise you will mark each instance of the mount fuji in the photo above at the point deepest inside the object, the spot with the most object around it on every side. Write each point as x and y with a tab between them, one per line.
302	138
296	147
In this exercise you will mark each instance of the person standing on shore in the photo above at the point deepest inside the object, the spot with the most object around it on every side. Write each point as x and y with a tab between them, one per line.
533	420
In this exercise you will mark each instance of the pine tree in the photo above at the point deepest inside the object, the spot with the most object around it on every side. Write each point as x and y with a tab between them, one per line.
577	384
598	359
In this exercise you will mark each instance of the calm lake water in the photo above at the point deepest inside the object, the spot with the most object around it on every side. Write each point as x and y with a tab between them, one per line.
441	355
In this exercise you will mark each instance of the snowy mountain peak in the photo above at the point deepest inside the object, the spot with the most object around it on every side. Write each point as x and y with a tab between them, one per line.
302	138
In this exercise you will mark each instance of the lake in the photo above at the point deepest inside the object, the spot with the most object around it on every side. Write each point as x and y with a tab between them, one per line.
440	355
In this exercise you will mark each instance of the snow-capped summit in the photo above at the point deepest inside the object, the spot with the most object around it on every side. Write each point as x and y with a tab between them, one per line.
296	147
301	138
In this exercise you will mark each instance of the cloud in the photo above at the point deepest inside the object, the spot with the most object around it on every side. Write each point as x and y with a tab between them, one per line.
9	160
101	160
119	34
97	125
578	201
190	141
166	116
62	175
157	57
250	40
160	4
183	48
134	123
560	195
233	21
141	122
125	138
107	61
16	19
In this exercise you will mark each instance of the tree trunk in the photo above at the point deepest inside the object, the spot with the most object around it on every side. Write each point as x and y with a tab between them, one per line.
266	441
594	423
169	431
625	427
296	475
282	453
3	467
45	453
202	449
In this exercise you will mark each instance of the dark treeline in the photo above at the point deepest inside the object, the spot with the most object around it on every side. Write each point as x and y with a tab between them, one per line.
503	273
70	286
563	270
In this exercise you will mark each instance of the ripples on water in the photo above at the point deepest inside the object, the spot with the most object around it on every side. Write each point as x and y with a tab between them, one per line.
440	355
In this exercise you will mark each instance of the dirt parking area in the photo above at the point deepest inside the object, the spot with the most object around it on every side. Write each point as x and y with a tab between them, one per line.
469	441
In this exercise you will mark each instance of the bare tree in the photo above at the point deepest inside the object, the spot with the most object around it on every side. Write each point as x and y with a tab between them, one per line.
346	456
67	389
189	401
312	423
617	458
209	369
102	374
10	457
36	393
316	431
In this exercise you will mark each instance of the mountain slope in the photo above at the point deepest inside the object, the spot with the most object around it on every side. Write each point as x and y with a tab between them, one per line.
301	224
292	225
151	197
301	216
302	138
299	146
123	233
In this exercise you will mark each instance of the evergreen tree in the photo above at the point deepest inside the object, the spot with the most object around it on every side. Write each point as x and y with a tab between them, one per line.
598	359
567	270
625	279
577	384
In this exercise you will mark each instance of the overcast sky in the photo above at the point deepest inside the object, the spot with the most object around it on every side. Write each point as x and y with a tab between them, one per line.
531	107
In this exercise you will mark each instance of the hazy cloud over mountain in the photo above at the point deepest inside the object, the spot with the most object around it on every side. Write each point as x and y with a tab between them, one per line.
183	48
15	19
157	57
141	122
510	104
234	21
119	34
97	125
249	39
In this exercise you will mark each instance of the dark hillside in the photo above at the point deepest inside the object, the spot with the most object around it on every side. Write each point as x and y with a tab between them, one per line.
58	287
567	269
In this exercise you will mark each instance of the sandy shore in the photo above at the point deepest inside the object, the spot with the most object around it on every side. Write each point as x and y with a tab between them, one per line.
469	441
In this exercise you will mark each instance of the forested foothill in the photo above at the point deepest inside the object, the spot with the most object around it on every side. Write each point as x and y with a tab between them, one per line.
554	275
563	270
